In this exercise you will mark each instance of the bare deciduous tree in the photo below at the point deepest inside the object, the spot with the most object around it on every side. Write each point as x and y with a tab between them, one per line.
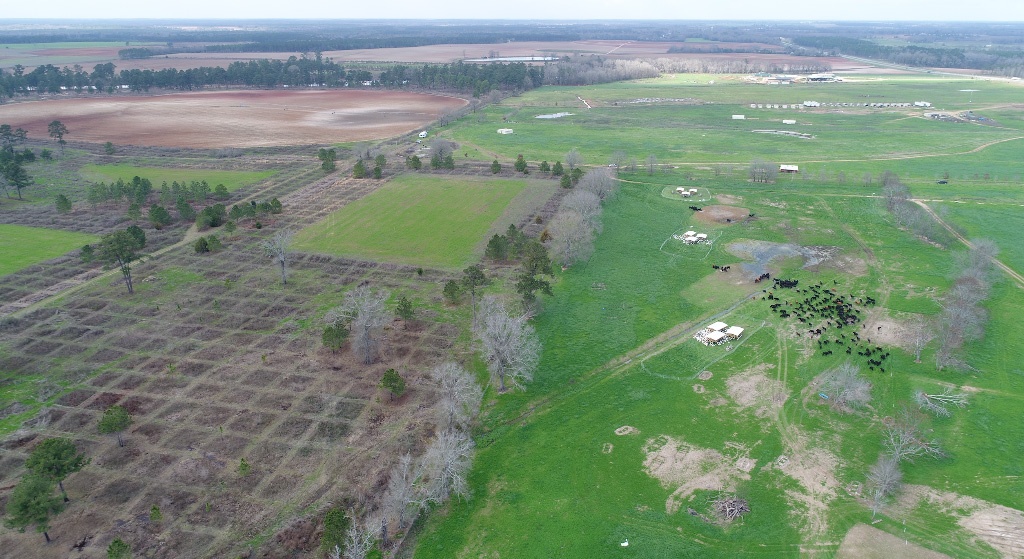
441	148
618	159
510	345
445	465
572	238
919	333
365	312
585	203
460	395
358	541
940	404
904	439
846	386
278	248
573	159
401	502
763	171
884	480
652	163
601	182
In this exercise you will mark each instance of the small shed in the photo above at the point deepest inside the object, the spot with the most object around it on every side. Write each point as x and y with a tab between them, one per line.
701	236
504	131
789	168
715	338
693	191
689	233
734	332
739	117
718	326
788	121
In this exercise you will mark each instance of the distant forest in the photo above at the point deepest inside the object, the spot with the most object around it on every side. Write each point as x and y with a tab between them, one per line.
997	48
301	71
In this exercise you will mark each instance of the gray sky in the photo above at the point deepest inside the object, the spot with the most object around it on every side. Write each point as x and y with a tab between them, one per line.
800	10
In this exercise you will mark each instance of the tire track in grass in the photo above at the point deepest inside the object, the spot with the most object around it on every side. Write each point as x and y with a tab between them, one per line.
1010	271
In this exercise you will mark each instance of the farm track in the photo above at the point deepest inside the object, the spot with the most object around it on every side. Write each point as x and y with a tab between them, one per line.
1009	271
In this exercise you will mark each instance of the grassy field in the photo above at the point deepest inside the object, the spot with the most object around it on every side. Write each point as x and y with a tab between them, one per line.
233	180
534	469
616	334
686	120
427	221
21	247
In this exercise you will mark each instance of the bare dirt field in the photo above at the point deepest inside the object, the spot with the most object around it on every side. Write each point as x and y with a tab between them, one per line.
722	214
235	118
865	542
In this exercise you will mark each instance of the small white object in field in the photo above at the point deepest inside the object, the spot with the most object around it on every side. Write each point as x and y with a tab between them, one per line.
624	544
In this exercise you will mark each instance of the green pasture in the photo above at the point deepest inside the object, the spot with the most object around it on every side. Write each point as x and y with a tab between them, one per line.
21	247
233	180
686	120
418	220
543	475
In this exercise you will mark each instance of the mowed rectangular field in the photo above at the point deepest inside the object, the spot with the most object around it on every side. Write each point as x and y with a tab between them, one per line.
20	247
232	180
424	221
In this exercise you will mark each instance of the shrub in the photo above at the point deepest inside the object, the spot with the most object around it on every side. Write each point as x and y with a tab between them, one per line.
159	217
201	245
63	204
495	167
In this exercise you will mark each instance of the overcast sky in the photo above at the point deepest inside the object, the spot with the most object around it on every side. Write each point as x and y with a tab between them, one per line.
800	10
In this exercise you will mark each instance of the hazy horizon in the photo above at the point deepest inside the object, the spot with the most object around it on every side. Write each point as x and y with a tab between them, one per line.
931	11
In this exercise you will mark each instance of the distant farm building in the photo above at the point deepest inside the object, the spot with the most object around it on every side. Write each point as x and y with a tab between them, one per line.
812	104
789	168
822	78
788	121
739	117
922	104
504	131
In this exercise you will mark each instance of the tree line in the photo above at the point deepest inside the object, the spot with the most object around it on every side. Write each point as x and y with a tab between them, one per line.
296	71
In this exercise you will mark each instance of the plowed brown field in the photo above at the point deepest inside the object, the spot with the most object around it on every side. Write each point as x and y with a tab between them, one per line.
233	119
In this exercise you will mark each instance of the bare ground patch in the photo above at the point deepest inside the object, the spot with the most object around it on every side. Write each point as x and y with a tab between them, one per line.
751	388
865	542
1000	527
687	468
722	214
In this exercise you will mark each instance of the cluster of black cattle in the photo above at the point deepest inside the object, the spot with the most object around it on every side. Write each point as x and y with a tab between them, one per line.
696	208
721	268
762	277
823	309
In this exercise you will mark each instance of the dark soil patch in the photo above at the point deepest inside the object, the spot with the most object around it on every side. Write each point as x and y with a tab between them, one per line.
117	457
216	352
297	383
293	428
131	382
204	390
252	421
107	355
139	406
75	421
167	385
274	400
149	431
119	491
227	445
104	401
192	368
263	377
185	439
75	398
105	379
213	416
330	431
175	412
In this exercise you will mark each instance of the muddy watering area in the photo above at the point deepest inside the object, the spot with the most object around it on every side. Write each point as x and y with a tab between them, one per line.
760	254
